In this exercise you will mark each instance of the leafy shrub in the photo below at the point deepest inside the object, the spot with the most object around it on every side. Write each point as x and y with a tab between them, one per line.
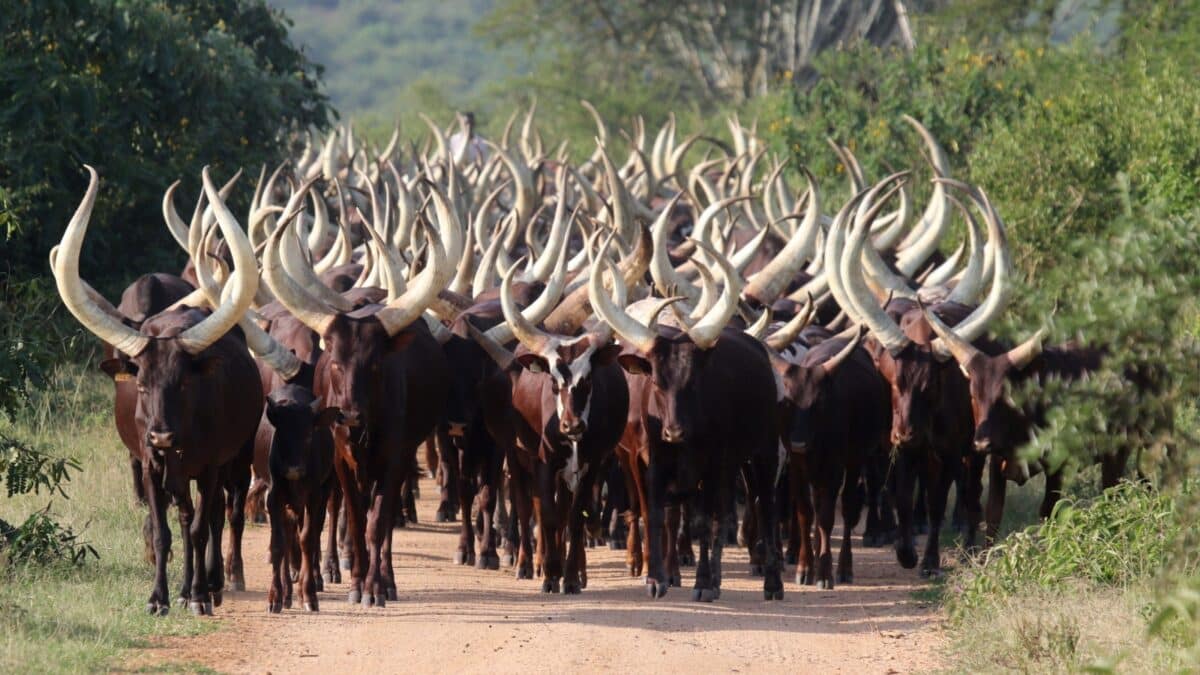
39	540
1123	536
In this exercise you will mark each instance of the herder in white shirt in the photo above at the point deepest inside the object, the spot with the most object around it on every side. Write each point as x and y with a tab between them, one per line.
465	145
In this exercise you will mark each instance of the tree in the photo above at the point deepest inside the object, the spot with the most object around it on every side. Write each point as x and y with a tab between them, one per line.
148	91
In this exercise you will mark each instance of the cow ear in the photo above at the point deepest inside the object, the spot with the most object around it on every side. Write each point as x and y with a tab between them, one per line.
207	365
634	364
118	369
606	355
533	363
327	417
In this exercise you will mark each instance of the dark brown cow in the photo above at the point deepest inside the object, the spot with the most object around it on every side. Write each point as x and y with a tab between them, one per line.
198	399
709	410
557	407
389	377
839	423
301	471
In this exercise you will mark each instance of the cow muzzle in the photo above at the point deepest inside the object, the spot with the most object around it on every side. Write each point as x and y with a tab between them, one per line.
294	473
982	445
673	434
901	438
161	440
572	430
457	430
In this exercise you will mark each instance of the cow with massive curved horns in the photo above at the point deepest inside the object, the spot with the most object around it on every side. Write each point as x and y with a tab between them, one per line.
709	409
557	406
198	401
931	416
386	373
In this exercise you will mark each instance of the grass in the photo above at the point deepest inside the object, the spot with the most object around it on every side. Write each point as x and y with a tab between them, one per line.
72	620
1078	592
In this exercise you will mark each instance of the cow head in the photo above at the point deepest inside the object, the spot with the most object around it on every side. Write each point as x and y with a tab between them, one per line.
674	361
996	416
297	415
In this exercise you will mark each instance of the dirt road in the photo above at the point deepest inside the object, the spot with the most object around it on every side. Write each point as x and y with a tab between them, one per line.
453	619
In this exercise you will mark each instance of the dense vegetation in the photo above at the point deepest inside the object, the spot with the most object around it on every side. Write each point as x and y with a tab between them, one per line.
1084	128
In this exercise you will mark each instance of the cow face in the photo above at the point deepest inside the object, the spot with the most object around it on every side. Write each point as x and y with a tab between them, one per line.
351	373
997	419
673	365
297	416
912	379
569	366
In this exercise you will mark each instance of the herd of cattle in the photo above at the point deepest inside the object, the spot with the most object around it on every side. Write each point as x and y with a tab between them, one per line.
591	352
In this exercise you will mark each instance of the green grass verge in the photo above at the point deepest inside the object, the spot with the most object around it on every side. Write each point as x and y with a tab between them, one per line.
75	620
1083	591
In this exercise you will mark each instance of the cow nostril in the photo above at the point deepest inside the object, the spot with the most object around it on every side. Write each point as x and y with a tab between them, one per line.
672	434
161	439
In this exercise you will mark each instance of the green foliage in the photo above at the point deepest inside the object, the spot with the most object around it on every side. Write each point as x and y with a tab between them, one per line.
40	539
1121	537
35	333
147	91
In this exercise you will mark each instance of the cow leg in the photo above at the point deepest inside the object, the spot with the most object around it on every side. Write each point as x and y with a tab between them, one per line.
387	570
674	576
940	476
704	514
214	519
575	572
997	487
802	502
345	542
465	554
518	482
159	603
749	537
764	473
237	490
355	517
616	505
852	503
656	494
880	524
189	567
920	511
635	555
546	511
196	523
310	538
379	525
447	477
826	498
278	547
973	466
905	481
488	472
330	567
1054	482
683	542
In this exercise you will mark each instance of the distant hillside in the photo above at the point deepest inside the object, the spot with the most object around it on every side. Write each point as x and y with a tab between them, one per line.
388	59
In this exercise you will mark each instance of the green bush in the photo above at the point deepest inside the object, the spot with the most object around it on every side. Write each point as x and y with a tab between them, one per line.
1124	536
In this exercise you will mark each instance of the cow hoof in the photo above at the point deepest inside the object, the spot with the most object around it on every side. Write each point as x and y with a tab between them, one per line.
773	595
676	580
274	607
549	586
217	598
491	562
792	558
525	571
656	589
931	573
320	581
845	577
470	558
311	606
287	603
571	587
703	595
237	584
825	584
756	570
907	558
183	600
155	609
687	559
393	595
196	608
803	578
354	597
460	558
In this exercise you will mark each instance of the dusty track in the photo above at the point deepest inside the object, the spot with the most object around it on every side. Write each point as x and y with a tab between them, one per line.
459	619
